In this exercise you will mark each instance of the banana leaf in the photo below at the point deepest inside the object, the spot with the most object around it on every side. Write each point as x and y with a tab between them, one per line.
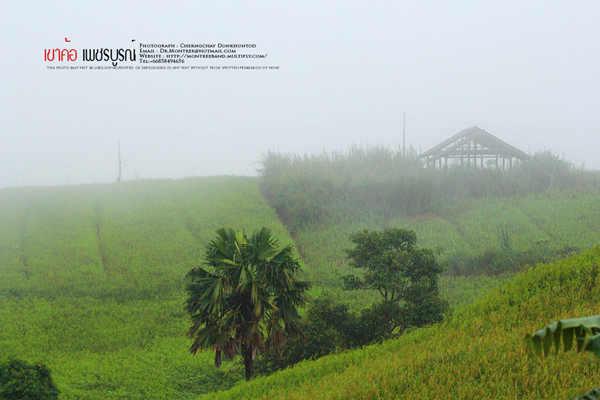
584	331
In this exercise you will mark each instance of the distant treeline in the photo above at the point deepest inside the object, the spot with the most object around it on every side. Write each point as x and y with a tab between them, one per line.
367	182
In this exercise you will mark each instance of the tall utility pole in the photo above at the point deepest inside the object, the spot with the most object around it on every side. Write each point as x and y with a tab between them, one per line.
404	136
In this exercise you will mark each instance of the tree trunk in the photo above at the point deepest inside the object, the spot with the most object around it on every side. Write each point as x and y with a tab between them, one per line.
388	322
218	358
248	361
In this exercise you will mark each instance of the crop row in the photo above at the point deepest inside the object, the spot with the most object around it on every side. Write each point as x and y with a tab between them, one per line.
92	279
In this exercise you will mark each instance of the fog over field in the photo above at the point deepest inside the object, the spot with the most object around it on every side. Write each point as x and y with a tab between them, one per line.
526	72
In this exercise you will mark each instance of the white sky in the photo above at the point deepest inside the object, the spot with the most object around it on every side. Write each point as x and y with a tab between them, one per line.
527	72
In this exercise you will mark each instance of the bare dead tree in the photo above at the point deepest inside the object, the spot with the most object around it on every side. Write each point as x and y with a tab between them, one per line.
122	161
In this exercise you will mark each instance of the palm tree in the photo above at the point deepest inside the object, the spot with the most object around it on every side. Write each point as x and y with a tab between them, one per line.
246	297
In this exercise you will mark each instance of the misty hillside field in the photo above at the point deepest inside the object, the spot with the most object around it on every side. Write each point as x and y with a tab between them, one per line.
92	277
490	223
478	352
92	280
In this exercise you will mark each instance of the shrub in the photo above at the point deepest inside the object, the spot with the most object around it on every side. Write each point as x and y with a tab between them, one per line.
19	380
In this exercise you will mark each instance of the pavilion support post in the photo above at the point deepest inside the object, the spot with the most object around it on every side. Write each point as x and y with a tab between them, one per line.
481	151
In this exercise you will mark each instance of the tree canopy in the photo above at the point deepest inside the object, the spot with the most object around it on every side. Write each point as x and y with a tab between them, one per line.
246	297
405	276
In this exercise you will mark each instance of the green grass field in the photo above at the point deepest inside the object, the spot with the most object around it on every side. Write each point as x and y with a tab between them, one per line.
92	280
470	227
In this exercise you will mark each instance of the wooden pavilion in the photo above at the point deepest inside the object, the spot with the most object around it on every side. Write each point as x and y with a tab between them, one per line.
474	147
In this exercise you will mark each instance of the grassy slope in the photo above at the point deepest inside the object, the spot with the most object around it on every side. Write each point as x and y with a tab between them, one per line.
478	353
91	281
470	227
